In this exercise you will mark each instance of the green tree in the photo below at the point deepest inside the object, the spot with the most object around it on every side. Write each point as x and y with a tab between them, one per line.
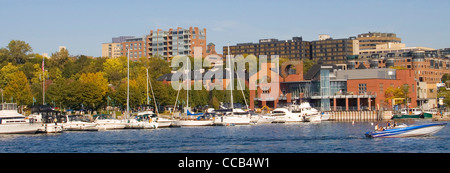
7	73
307	64
19	89
90	95
60	58
114	70
399	92
18	51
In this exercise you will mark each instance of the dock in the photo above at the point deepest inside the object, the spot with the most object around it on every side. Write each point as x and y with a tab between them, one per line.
360	115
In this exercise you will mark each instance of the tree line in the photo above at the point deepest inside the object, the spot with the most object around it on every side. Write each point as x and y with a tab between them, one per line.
91	82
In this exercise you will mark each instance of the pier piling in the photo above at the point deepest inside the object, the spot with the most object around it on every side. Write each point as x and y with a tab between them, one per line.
355	115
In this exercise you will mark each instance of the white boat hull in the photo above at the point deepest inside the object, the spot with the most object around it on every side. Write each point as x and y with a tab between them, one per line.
262	119
325	117
19	128
192	123
411	131
110	124
231	120
80	126
50	128
313	118
162	122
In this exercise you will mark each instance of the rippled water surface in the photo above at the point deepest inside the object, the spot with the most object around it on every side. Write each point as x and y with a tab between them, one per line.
325	137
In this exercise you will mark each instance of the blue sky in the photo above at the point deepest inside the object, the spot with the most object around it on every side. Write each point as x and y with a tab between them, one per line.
82	25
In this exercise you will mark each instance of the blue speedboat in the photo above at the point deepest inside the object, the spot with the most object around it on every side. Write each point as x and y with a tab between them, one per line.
408	131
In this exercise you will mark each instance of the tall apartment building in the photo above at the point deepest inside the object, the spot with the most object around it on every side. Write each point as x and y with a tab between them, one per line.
326	48
159	43
174	42
428	64
292	49
114	48
137	48
371	39
334	51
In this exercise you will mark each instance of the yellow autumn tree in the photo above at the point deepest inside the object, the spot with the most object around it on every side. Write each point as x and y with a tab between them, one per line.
18	89
93	89
97	79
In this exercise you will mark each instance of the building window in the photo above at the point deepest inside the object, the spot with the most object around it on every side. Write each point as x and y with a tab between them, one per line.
362	88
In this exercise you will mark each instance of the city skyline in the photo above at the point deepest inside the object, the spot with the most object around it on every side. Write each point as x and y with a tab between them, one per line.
82	26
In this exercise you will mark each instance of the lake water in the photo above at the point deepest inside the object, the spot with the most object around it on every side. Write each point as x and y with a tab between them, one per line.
325	137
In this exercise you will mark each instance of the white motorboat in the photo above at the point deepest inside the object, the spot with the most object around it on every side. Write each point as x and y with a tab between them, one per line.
164	122
51	128
407	131
104	122
310	114
51	121
325	116
143	120
284	115
313	118
158	121
11	122
237	117
191	122
262	119
74	123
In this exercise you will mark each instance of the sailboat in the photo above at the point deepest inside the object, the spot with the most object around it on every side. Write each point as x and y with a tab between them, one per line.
190	119
232	116
142	121
160	122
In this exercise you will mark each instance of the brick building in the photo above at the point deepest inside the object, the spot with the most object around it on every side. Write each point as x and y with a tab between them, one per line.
329	87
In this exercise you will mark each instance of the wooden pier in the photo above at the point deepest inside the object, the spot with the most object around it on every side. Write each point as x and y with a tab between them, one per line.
359	115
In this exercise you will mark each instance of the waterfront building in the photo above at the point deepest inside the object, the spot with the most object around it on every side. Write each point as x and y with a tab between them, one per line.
330	87
371	39
325	49
428	64
294	49
427	95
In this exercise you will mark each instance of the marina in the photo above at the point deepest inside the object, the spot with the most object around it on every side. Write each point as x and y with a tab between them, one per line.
324	137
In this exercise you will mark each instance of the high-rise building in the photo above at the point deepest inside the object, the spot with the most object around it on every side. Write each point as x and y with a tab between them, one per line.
334	51
137	48
175	42
159	43
112	50
325	49
371	39
121	39
292	49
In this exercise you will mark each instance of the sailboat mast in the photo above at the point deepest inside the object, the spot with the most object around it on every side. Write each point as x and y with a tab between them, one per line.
128	83
43	83
231	79
148	101
187	84
153	94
